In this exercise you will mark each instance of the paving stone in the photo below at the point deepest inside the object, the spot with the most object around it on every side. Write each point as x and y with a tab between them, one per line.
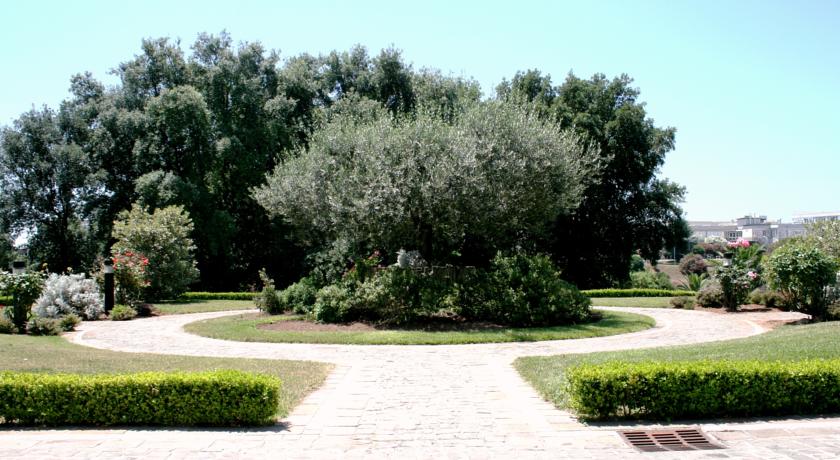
450	401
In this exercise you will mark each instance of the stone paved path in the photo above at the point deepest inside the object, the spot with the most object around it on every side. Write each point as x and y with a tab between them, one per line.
460	401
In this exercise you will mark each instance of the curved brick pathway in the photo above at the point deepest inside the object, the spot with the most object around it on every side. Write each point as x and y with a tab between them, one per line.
461	401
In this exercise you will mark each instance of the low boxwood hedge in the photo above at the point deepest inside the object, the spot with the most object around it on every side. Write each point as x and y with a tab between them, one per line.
636	293
658	390
5	300
217	296
218	398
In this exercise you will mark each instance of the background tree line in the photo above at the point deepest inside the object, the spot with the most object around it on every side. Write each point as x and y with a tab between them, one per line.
202	131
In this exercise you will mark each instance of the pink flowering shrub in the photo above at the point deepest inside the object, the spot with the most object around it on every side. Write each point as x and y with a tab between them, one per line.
741	276
130	277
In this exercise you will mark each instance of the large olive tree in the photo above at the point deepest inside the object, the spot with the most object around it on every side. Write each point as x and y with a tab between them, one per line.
495	179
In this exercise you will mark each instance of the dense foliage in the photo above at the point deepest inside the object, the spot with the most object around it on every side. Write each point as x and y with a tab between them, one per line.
636	293
629	208
219	398
162	236
740	275
122	313
131	277
522	291
24	289
650	280
495	179
826	236
519	291
705	389
70	294
202	129
710	294
693	264
801	272
190	296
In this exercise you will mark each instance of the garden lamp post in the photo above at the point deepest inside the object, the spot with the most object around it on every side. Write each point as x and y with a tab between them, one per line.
108	269
18	268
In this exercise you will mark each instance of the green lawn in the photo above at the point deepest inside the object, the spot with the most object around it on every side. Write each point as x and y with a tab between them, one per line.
54	354
202	306
787	343
645	302
243	328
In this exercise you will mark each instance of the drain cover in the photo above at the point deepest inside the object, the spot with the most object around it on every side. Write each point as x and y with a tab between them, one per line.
659	440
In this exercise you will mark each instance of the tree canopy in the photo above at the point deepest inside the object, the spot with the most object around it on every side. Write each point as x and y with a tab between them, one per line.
629	208
496	179
203	129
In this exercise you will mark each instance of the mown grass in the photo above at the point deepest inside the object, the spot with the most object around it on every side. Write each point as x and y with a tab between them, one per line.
56	355
202	306
244	328
643	302
787	343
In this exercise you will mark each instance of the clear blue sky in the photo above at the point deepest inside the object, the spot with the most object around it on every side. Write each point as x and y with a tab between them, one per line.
753	87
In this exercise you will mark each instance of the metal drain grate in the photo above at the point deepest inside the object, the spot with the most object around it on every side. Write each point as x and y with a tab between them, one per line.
681	439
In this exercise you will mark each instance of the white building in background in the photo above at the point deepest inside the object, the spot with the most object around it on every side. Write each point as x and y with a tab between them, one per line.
755	229
814	217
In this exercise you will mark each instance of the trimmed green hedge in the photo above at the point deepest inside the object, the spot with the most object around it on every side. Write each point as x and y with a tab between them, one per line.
5	300
636	293
657	390
218	398
217	296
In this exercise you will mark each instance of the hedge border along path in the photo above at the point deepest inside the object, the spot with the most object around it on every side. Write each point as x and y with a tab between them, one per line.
594	293
217	398
703	389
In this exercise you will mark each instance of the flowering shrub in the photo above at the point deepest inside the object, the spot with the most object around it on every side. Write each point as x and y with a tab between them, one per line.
66	294
741	276
130	277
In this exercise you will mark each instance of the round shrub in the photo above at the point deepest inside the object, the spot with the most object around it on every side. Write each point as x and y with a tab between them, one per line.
298	297
650	280
43	326
710	294
400	295
693	264
6	325
123	313
523	291
69	294
69	322
333	304
686	303
637	263
802	272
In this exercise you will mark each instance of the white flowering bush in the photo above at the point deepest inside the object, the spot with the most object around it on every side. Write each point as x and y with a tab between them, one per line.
66	294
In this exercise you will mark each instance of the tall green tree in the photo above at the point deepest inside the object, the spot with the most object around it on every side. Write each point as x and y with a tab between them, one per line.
629	208
46	184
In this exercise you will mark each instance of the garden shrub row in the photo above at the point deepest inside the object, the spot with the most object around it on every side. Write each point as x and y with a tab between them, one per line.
659	390
5	300
189	296
218	398
592	293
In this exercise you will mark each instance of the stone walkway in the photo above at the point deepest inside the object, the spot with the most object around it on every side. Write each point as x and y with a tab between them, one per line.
459	401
